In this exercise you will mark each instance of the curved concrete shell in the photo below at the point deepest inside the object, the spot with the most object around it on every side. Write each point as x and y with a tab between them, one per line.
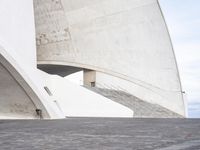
123	44
17	100
21	85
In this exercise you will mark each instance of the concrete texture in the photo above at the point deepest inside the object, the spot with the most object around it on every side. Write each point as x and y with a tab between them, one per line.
22	85
14	101
101	134
141	109
125	41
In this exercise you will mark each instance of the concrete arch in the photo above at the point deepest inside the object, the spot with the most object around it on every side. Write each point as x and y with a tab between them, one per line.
18	100
125	43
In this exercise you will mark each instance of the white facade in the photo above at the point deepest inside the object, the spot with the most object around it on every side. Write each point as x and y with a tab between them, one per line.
125	42
21	83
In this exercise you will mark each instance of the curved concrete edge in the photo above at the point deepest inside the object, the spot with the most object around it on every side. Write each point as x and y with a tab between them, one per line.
27	85
103	70
179	78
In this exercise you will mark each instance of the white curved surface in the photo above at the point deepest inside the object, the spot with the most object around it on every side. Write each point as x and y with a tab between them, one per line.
76	101
20	97
122	39
18	57
14	101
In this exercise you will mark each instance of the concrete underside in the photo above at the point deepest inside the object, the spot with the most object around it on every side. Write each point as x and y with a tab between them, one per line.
14	102
15	96
101	133
59	69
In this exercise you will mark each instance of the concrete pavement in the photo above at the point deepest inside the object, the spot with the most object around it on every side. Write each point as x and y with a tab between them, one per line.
101	134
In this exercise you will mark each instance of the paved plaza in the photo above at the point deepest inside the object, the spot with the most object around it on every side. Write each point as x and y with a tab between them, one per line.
101	134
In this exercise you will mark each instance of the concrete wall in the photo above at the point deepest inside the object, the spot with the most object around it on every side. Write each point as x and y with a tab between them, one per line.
17	31
23	84
126	39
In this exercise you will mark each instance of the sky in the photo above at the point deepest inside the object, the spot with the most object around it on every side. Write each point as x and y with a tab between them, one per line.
183	21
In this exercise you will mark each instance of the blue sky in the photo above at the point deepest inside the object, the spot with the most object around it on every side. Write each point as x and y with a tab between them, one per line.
183	20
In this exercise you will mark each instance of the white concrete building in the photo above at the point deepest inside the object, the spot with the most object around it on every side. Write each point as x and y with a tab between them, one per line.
121	45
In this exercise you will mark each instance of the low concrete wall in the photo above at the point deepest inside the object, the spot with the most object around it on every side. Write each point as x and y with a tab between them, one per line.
76	101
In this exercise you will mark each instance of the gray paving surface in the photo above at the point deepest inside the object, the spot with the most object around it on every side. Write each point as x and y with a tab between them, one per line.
140	108
101	134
